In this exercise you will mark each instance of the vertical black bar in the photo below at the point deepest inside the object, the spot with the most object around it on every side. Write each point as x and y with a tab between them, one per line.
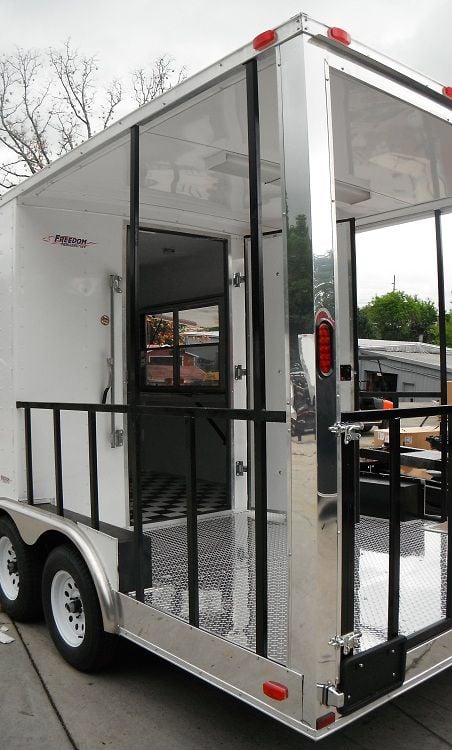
442	358
349	482
93	479
449	515
58	463
192	521
259	395
394	529
133	357
354	306
29	456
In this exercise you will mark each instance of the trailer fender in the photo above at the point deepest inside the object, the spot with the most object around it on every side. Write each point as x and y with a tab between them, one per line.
33	524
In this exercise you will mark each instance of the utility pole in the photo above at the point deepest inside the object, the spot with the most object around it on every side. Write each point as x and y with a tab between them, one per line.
393	283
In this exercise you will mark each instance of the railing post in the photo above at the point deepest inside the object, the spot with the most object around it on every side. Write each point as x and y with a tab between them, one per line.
28	456
93	475
192	521
394	529
58	462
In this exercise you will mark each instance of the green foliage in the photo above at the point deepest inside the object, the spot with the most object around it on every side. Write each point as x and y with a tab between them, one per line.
397	316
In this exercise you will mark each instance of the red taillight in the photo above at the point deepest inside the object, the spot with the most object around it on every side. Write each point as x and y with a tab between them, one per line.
275	690
447	91
325	720
325	348
264	39
339	35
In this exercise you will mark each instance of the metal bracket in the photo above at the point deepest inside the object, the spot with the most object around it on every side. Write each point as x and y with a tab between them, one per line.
349	431
346	642
117	439
329	695
116	283
238	279
239	372
240	468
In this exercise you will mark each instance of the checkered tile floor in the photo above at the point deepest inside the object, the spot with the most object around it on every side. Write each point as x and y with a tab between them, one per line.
163	497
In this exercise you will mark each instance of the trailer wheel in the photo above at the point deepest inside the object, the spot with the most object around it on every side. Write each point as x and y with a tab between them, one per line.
72	611
20	575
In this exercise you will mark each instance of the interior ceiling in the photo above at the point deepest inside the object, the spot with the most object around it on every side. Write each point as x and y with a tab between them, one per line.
193	160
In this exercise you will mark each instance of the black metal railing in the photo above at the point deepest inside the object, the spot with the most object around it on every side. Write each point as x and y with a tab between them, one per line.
350	510
134	415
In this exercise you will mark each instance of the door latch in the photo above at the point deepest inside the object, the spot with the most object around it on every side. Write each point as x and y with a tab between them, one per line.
238	279
349	431
240	469
346	642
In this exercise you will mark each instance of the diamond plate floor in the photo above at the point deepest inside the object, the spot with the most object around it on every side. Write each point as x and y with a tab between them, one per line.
423	573
227	585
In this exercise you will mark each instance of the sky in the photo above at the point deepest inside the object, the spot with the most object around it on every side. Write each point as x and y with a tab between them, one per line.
196	33
199	32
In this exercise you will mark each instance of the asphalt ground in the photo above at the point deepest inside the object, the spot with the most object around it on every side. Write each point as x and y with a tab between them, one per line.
144	702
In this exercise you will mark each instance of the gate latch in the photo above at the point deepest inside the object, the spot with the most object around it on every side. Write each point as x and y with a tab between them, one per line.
329	695
349	431
346	642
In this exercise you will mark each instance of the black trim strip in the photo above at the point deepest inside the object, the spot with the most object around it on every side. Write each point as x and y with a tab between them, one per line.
58	463
394	530
259	395
93	475
29	456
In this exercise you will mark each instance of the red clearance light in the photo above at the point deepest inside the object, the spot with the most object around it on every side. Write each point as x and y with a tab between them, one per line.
325	720
339	35
325	348
275	690
387	404
447	91
264	39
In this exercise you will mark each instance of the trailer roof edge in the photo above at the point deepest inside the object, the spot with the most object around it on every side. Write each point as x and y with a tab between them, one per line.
298	24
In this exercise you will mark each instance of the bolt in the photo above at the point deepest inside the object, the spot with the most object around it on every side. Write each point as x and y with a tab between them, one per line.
361	665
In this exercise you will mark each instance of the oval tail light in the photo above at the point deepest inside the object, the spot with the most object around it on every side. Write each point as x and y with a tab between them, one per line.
325	347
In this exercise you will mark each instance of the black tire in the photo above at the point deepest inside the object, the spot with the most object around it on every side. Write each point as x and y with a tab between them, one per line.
20	575
68	592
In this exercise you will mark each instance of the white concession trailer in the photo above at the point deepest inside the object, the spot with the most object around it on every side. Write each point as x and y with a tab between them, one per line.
157	284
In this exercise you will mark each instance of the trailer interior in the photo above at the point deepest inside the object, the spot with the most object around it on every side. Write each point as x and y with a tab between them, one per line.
187	381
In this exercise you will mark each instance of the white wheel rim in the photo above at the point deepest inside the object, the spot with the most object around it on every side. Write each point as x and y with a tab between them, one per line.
67	609
9	577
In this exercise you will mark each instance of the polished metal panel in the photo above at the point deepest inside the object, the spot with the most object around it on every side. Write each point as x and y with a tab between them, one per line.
313	579
98	554
224	664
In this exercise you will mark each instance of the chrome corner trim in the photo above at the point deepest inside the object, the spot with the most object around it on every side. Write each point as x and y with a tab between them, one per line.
32	523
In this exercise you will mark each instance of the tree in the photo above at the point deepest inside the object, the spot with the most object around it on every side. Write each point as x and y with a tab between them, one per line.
51	101
400	317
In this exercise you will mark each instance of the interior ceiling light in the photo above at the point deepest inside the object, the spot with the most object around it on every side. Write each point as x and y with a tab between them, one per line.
351	194
229	162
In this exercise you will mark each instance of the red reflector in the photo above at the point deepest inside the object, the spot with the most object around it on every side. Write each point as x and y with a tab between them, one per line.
447	91
387	404
325	347
325	720
275	690
339	35
264	39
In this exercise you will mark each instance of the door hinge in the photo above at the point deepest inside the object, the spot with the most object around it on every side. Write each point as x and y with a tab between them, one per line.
346	642
239	372
117	438
116	283
240	469
329	695
349	431
238	279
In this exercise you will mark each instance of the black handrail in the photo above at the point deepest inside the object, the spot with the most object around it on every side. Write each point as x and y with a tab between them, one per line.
137	412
